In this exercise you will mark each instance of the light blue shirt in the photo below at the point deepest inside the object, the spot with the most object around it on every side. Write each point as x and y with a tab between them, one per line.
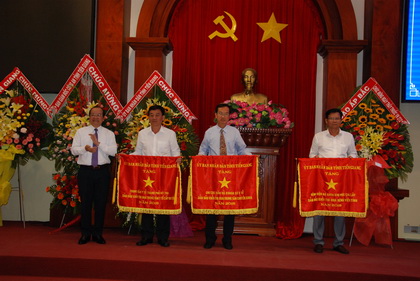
235	145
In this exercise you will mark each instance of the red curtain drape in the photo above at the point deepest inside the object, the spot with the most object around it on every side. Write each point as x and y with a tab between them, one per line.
207	72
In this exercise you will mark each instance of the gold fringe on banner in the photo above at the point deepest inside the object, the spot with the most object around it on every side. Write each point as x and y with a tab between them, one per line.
333	214
224	212
150	211
176	191
189	189
114	191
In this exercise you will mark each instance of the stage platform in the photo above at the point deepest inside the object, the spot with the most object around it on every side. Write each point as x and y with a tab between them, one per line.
32	253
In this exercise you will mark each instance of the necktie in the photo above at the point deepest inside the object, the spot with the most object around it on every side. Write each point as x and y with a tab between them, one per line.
223	150
95	154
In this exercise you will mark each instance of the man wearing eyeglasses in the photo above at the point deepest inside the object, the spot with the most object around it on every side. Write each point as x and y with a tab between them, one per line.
332	143
93	145
212	144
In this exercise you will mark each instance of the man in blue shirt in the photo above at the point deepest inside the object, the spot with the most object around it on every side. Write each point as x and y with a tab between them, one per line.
221	140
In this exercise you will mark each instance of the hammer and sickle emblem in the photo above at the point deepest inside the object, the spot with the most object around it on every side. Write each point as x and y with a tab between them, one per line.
229	31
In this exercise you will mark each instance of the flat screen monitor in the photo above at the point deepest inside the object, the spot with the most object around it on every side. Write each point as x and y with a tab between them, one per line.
411	53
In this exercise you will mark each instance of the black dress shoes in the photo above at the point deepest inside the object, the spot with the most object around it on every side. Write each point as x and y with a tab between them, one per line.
341	249
84	239
163	243
98	239
208	245
227	245
318	248
144	241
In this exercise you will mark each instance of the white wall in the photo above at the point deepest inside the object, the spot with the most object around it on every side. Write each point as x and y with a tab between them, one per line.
409	208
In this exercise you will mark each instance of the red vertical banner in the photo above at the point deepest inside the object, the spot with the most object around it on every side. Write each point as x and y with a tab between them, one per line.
149	184
224	185
333	187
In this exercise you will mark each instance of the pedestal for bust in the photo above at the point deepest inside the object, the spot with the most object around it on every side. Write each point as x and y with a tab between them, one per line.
266	143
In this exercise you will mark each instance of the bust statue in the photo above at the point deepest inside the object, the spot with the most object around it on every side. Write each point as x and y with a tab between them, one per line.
249	79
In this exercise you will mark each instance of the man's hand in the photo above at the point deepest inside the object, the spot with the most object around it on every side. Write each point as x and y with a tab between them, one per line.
91	149
94	139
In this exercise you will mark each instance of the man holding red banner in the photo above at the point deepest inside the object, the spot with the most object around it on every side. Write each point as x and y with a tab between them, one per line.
156	140
221	140
332	143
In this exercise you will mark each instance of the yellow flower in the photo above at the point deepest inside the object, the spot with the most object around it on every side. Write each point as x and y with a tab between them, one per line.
387	127
368	110
352	113
363	119
16	107
380	110
374	116
382	120
363	105
167	122
390	117
167	109
363	125
346	119
379	128
371	123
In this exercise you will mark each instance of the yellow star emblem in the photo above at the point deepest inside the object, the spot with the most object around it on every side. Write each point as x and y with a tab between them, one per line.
272	29
331	184
224	183
148	182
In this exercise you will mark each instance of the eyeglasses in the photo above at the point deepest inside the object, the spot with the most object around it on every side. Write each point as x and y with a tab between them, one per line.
334	118
223	113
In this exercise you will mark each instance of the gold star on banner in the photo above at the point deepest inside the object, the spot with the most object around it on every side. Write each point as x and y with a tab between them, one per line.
224	183
148	182
331	184
272	29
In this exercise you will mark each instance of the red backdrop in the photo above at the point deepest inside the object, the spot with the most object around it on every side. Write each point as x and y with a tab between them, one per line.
207	72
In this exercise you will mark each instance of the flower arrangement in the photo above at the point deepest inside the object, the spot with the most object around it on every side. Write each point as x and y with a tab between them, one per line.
24	129
258	115
376	132
65	125
65	191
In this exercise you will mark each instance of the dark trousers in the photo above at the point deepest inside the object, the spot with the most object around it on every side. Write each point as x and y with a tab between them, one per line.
93	190
163	224
211	224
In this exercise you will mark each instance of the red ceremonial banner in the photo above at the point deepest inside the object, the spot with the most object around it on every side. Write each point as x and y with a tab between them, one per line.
224	185
333	187
149	184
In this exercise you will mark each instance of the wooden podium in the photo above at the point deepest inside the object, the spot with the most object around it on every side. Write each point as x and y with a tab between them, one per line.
266	143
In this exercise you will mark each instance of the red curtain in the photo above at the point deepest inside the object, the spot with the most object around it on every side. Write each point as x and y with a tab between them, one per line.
207	72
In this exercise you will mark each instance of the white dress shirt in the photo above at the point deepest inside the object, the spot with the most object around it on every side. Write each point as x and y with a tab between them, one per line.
163	143
324	145
107	145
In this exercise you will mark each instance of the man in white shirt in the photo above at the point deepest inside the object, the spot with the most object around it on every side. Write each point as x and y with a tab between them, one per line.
156	140
93	145
332	143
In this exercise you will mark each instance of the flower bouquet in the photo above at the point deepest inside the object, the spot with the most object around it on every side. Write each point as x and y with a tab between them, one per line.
258	115
24	130
376	132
